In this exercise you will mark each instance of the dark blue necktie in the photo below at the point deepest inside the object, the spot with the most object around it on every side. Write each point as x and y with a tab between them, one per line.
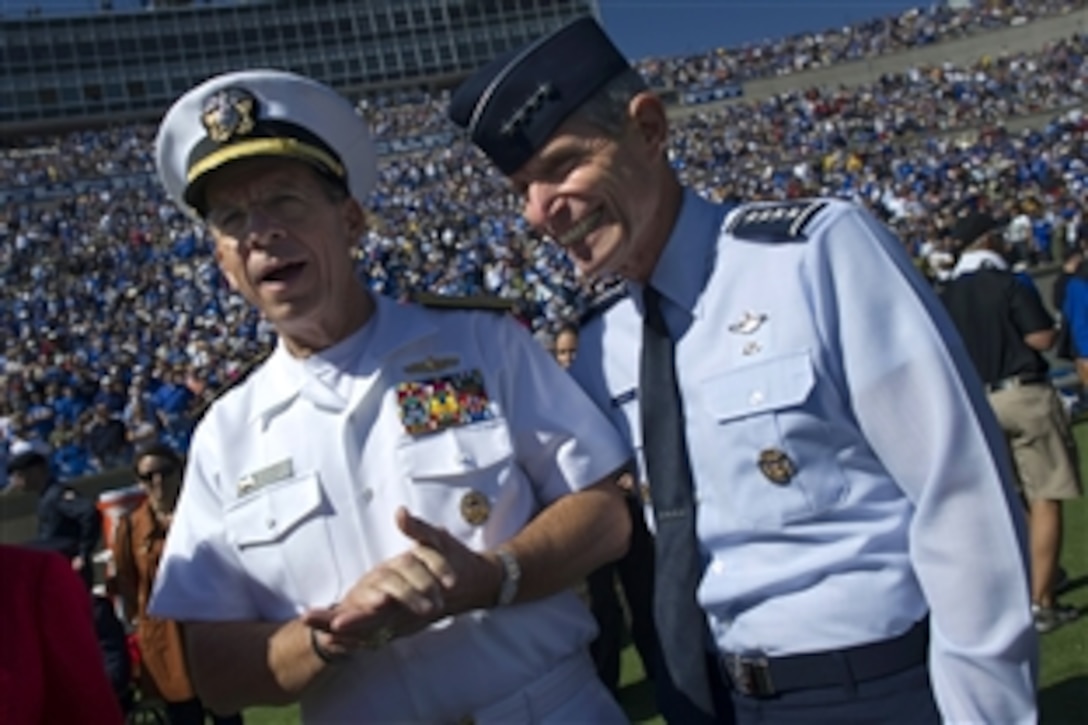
684	694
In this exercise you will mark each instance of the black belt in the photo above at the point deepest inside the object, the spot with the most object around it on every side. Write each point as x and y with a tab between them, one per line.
1016	381
757	676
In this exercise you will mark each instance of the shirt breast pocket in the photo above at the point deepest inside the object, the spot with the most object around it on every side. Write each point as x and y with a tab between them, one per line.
281	532
459	480
775	448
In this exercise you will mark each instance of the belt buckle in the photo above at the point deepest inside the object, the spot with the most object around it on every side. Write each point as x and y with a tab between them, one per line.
749	676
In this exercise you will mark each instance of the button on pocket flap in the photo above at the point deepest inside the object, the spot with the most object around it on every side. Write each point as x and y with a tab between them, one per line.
269	514
771	384
457	451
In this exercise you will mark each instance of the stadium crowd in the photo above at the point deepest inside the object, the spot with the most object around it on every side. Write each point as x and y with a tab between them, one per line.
914	28
115	325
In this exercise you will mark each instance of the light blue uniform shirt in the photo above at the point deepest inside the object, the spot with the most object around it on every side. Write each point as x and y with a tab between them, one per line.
829	352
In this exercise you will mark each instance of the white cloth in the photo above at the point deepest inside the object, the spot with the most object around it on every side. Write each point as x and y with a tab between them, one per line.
975	259
304	536
900	501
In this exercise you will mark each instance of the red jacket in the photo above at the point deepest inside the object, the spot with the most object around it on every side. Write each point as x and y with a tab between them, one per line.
51	667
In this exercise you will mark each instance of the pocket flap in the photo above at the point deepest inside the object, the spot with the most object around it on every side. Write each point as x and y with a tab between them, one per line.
772	384
457	451
272	512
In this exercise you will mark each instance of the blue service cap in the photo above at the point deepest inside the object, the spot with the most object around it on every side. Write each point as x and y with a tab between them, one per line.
261	113
513	105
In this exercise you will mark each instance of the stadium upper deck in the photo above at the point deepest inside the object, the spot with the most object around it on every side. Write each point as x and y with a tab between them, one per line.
77	71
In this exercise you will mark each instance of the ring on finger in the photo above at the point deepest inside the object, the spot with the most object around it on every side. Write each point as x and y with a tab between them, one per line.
377	639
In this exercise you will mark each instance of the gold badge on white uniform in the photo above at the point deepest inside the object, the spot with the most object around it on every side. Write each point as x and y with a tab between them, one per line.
475	508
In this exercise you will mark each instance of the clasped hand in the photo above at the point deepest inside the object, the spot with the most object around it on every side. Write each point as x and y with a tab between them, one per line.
438	577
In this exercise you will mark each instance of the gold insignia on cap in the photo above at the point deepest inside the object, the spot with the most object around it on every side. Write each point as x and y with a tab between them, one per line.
776	465
228	113
475	508
431	365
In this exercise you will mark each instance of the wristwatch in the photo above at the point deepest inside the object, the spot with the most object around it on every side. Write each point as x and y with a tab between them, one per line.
327	656
511	575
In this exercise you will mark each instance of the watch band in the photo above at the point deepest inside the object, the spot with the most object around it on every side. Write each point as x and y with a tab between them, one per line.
329	658
511	576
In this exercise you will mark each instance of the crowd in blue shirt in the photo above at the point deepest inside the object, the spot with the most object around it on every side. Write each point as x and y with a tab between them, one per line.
914	28
116	326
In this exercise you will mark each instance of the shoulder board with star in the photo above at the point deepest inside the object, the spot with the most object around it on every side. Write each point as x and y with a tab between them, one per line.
783	221
488	303
603	302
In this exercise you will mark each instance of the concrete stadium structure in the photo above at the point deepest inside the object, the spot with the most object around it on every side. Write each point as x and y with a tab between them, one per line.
109	67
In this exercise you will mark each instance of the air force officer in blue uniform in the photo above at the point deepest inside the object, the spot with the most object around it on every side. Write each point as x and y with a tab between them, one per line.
860	552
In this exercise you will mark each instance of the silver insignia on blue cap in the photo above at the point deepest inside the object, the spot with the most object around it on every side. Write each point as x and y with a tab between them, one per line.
513	105
522	116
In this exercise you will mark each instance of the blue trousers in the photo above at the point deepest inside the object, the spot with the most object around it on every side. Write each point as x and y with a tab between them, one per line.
905	698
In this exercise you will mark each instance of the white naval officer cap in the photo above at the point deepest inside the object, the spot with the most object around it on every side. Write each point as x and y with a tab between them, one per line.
261	113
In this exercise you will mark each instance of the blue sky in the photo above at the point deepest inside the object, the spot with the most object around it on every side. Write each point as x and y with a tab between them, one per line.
670	27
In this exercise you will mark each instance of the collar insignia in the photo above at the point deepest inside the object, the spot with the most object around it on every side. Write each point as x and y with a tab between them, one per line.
229	113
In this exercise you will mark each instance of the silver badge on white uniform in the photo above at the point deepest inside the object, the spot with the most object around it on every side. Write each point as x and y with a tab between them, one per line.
279	471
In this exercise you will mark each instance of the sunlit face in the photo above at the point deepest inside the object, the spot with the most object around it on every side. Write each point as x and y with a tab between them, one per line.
599	197
160	479
566	347
282	241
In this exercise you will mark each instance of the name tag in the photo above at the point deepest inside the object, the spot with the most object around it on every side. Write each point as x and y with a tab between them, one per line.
279	471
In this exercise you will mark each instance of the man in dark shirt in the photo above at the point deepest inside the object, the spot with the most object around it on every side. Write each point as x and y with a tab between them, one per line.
106	438
66	519
1006	329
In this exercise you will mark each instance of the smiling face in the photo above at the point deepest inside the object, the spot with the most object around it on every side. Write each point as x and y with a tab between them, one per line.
283	239
609	200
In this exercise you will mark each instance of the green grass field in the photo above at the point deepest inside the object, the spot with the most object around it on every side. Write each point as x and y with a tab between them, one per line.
1063	682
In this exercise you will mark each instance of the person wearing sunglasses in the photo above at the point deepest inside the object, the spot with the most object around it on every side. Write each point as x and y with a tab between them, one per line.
137	550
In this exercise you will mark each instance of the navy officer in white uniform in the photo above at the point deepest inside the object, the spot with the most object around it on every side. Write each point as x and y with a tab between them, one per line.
384	520
861	550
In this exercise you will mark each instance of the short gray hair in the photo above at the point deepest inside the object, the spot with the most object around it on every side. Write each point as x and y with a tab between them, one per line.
606	109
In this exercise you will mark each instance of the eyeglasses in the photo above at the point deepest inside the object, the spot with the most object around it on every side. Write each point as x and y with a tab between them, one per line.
149	476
